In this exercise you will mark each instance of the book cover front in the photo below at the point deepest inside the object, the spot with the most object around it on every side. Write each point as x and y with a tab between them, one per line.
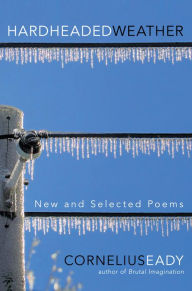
95	145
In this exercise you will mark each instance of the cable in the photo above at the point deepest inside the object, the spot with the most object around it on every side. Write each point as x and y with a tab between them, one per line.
47	134
96	45
119	135
6	136
106	214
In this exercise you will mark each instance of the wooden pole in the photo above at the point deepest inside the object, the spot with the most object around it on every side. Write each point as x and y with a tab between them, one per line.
12	267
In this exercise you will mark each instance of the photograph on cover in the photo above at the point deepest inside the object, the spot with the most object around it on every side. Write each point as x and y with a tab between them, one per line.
95	146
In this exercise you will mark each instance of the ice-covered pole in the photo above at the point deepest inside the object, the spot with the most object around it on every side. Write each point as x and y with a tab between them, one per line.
12	271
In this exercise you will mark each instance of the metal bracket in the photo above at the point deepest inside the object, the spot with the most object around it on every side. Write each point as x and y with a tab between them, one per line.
28	147
10	184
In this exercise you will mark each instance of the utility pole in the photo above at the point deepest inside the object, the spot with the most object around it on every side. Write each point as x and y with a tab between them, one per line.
12	262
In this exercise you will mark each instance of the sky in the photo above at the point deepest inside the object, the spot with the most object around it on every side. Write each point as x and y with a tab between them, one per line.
119	98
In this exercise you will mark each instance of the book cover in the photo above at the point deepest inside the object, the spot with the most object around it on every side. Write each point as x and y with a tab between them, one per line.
95	145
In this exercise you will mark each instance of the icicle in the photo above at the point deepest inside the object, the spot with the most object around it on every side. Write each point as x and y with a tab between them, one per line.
116	226
115	148
91	55
60	226
51	144
103	224
42	144
173	149
64	145
73	145
162	226
95	146
141	226
32	168
56	141
88	148
47	147
107	146
77	148
60	146
158	148
167	226
146	227
134	226
83	148
120	147
30	165
183	146
187	223
69	225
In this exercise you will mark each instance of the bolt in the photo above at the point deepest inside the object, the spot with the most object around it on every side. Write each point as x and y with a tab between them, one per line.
26	182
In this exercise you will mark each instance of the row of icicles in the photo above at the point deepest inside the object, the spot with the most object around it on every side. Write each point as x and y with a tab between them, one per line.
82	148
86	147
137	225
93	55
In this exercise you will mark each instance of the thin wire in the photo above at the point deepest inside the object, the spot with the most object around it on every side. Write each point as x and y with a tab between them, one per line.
119	135
107	214
12	215
47	134
7	136
96	45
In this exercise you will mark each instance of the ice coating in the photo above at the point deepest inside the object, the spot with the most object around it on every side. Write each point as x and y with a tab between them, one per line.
83	147
95	55
86	147
82	225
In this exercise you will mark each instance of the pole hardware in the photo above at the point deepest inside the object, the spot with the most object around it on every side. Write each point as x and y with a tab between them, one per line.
44	134
28	147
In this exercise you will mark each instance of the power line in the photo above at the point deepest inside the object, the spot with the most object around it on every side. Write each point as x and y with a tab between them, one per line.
119	135
12	215
47	134
6	136
96	45
107	214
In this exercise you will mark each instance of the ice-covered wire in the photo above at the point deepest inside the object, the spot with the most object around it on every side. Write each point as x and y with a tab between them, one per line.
97	45
108	214
49	134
